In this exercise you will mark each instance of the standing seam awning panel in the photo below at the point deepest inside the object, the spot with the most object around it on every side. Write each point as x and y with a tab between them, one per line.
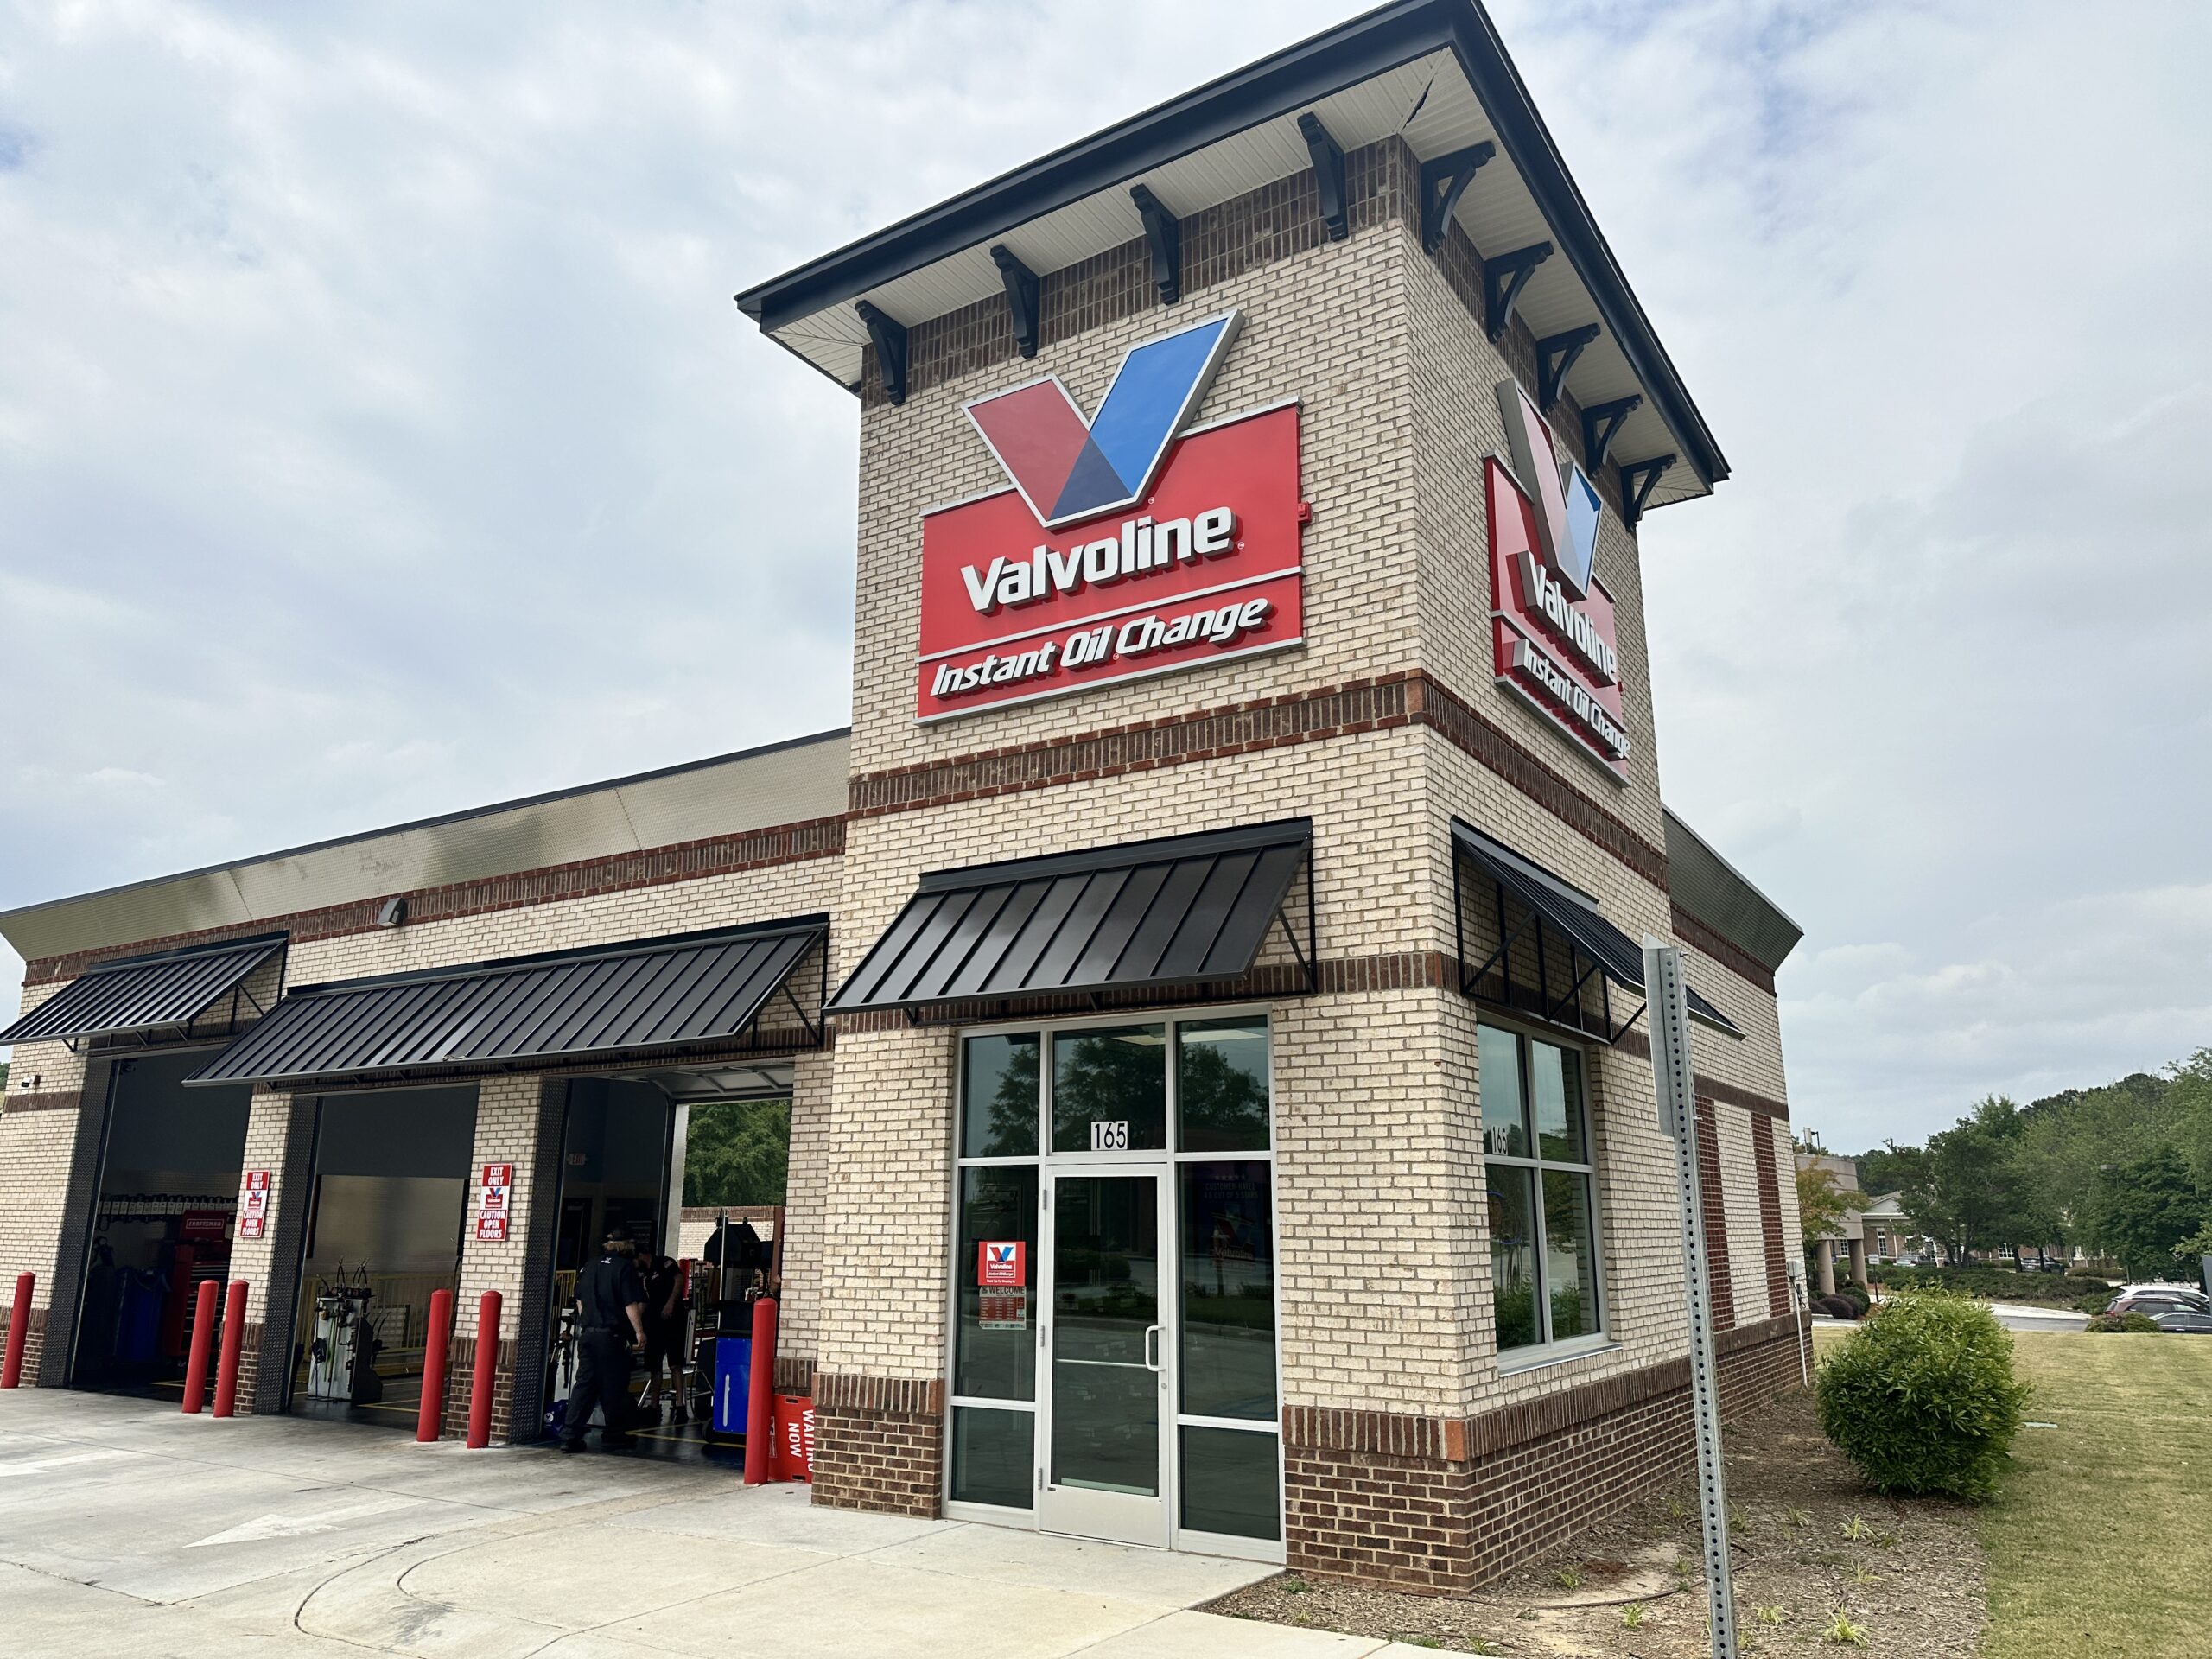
146	996
694	991
1182	910
1620	957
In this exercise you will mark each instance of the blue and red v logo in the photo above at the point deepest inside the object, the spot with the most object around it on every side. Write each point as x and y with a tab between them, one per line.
1068	469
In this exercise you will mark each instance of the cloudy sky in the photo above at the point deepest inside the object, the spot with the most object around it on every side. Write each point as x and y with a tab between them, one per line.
378	438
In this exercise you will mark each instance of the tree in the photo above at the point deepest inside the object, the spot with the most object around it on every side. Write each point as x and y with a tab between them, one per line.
737	1153
1968	1194
1889	1167
1822	1202
2145	1208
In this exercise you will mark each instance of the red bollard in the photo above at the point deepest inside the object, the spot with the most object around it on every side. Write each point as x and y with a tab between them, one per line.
429	1420
226	1369
19	1331
203	1342
760	1396
487	1365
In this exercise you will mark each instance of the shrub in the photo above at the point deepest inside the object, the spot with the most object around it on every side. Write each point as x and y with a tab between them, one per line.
1857	1297
2140	1325
1996	1284
1835	1307
2093	1301
1923	1399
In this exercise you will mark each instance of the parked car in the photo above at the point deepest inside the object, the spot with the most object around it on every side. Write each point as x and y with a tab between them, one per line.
2183	1321
2189	1294
2187	1309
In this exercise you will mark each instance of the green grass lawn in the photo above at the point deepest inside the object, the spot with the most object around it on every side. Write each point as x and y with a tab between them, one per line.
2101	1540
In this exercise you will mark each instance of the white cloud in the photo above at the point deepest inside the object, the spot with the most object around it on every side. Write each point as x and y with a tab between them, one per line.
378	438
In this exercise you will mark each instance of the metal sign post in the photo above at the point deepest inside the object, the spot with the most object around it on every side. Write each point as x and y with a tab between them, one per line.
1668	1005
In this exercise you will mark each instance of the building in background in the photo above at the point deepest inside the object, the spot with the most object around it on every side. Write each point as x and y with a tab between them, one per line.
1207	975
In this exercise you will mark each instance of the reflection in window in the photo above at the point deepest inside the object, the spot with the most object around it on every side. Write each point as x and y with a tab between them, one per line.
1570	1257
1221	1084
998	1114
1230	1483
1114	1076
993	1457
1541	1193
1513	1255
1505	1112
1229	1291
995	1351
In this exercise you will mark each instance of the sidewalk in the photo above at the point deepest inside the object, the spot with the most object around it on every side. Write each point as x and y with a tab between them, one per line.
128	1529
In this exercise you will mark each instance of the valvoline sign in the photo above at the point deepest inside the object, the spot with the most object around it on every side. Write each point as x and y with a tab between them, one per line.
1552	619
1129	543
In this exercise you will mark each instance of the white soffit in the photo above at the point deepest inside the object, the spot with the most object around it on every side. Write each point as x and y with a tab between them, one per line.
1497	213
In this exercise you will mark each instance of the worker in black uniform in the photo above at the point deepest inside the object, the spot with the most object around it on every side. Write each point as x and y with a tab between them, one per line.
610	1321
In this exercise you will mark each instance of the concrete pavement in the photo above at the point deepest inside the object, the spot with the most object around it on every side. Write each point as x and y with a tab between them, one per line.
128	1529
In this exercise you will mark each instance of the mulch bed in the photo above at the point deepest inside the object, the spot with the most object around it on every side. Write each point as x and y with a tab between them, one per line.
1811	1542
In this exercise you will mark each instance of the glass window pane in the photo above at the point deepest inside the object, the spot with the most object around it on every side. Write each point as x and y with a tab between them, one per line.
1106	1398
1115	1078
1505	1113
995	1348
998	1117
993	1457
1229	1482
1570	1256
1221	1084
1229	1292
1513	1255
1555	1075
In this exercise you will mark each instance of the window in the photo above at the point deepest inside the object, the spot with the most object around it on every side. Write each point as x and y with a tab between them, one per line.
1541	1185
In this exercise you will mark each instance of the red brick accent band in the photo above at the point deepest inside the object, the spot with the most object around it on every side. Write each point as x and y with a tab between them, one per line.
747	849
1714	1202
1775	1247
1636	1044
1414	697
49	1100
1397	970
1729	954
879	1443
1447	1505
1262	227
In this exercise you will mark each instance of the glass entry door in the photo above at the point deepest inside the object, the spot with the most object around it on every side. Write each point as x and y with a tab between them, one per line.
1107	1353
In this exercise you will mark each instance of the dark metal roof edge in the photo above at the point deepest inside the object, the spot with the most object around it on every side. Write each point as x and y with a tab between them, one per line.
818	922
1352	52
1229	993
215	948
261	947
1465	832
1674	820
459	817
456	1073
1277	832
1530	146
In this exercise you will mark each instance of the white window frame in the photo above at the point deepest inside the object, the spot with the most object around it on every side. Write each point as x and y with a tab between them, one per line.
1167	1159
1546	1351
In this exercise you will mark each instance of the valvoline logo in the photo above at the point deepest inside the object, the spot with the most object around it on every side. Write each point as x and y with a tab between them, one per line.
1568	506
1068	469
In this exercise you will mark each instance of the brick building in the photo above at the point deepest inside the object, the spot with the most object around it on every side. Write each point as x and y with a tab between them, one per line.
1203	975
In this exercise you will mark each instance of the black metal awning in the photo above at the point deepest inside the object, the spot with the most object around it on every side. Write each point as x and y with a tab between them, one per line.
1182	910
701	990
170	991
1551	953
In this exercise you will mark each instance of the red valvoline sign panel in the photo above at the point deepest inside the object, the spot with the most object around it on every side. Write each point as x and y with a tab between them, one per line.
1128	545
1552	619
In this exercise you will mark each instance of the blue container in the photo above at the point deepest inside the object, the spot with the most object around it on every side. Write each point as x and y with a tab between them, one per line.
733	1381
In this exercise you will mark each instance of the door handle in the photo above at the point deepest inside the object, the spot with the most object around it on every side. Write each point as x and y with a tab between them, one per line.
1152	1348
